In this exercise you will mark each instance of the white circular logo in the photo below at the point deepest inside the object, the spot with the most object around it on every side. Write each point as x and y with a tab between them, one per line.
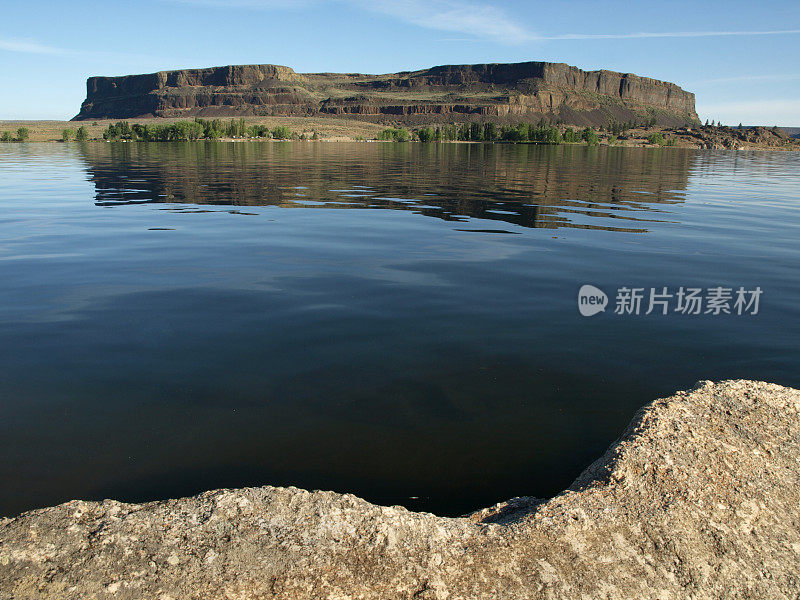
591	300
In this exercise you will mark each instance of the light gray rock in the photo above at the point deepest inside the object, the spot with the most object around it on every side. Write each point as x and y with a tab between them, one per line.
700	498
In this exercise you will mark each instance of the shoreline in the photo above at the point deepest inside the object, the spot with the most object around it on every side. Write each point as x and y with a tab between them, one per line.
454	142
697	498
332	129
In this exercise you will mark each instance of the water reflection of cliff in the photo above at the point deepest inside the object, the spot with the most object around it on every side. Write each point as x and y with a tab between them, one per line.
529	186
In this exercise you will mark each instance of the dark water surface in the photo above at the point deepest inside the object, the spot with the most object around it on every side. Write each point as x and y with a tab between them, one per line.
394	320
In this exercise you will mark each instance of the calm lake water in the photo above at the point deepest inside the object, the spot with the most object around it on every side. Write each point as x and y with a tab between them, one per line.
399	321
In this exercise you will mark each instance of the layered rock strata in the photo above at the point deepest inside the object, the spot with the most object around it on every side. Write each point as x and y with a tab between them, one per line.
451	93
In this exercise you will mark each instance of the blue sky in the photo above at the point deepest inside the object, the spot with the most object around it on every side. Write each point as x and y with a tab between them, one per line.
740	58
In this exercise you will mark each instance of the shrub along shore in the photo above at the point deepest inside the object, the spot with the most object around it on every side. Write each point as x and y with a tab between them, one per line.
199	129
216	129
646	133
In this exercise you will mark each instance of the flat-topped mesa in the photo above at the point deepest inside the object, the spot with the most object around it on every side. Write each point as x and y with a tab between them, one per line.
499	91
235	75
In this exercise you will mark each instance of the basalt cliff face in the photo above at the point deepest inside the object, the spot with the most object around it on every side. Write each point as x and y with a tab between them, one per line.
450	93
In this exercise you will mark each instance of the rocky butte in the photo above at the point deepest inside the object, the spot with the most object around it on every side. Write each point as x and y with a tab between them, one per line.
452	93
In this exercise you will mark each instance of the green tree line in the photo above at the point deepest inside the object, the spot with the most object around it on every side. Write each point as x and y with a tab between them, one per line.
199	129
214	129
491	132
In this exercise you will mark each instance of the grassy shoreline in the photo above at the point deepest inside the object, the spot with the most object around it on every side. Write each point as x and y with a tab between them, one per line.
330	129
344	129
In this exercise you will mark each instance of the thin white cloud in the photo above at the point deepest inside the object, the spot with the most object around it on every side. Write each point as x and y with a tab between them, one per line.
662	34
478	20
482	21
30	47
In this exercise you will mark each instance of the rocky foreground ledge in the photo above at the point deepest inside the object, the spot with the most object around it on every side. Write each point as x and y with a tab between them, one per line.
700	498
